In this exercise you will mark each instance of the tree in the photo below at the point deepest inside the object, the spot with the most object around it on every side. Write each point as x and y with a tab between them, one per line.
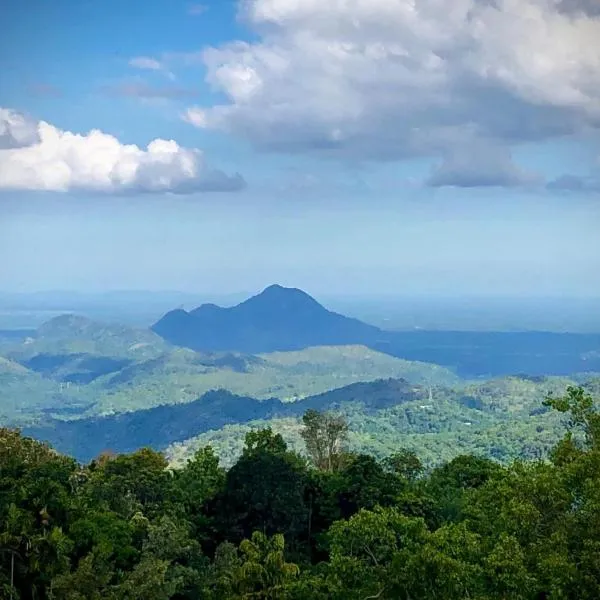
324	435
201	478
451	482
129	483
264	491
264	571
35	502
198	483
405	463
583	416
364	547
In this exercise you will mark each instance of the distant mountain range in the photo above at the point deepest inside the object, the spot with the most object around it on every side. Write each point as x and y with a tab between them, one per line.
283	319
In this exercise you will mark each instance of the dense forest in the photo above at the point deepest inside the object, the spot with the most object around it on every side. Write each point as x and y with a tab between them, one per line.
332	524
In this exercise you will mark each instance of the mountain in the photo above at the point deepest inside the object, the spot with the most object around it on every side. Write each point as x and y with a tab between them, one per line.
77	349
76	334
278	318
65	375
25	395
155	427
284	319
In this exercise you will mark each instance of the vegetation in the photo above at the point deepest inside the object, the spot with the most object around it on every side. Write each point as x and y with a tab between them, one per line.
438	421
278	526
324	435
475	419
75	368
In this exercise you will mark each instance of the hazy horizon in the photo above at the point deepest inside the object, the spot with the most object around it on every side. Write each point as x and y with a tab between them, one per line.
481	313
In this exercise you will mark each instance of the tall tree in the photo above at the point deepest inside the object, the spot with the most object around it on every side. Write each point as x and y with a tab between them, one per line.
264	490
324	435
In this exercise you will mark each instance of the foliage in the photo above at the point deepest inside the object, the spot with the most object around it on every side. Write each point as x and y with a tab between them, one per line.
435	422
324	435
127	527
384	416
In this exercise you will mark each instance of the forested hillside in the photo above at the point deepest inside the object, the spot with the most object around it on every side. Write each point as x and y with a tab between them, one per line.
502	418
330	525
73	367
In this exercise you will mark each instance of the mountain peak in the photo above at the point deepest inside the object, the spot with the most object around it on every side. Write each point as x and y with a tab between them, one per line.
275	288
66	323
279	296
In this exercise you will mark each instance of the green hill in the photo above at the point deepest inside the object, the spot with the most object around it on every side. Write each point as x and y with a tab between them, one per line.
501	418
111	369
26	396
384	415
183	375
72	334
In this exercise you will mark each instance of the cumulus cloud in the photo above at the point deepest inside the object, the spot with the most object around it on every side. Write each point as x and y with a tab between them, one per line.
16	130
569	182
575	183
481	165
586	7
39	156
394	79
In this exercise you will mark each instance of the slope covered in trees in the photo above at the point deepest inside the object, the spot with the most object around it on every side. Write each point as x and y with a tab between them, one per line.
336	525
500	418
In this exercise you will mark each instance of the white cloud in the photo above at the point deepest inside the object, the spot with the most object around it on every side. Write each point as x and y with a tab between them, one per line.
16	130
39	156
145	62
390	79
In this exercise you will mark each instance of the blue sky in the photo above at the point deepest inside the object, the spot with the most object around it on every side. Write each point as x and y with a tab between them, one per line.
374	146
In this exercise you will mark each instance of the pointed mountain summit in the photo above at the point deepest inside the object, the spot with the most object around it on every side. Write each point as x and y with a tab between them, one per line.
278	318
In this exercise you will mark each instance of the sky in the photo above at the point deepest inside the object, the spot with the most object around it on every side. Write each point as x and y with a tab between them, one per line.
394	147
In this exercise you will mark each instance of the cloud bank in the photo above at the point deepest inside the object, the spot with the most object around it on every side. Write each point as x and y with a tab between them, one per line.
395	79
38	156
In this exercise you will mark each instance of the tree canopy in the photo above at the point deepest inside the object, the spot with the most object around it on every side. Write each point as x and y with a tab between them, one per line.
278	526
